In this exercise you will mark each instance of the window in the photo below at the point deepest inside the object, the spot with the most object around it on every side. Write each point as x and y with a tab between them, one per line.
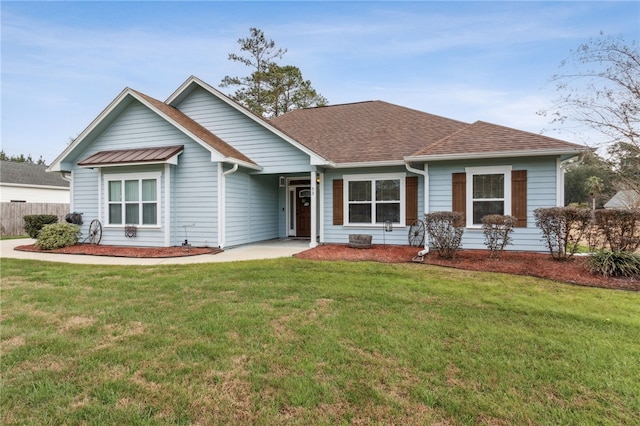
132	200
488	192
371	200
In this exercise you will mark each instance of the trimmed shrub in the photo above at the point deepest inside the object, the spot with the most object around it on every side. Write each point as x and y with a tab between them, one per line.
58	235
445	231
562	229
497	228
614	263
33	223
616	230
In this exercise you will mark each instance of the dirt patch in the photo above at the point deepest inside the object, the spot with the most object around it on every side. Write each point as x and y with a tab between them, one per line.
124	251
539	265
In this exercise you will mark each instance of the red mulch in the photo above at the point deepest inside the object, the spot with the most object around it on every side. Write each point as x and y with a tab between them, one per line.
539	265
124	251
518	263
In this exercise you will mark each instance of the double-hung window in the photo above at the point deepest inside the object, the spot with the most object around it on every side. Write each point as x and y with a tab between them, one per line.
133	199
371	200
488	192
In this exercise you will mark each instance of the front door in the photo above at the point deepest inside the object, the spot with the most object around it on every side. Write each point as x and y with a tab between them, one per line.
303	212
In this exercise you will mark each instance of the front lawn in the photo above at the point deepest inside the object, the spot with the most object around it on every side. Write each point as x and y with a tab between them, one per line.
291	341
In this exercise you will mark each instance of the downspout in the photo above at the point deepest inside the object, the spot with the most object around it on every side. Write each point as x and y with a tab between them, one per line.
314	215
424	173
69	178
222	204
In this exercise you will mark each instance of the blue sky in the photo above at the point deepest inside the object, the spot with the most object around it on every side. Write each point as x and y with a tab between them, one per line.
63	62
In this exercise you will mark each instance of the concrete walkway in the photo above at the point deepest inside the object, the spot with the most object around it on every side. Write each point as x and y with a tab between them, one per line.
264	250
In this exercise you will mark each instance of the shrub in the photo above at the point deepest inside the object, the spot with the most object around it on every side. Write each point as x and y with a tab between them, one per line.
497	228
34	223
58	235
445	231
614	263
616	230
562	229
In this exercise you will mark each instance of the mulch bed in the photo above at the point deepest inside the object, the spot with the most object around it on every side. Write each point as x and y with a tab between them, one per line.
124	251
538	265
519	263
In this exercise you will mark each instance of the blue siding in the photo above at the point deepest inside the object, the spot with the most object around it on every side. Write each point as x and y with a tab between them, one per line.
271	152
541	192
251	208
338	234
193	183
195	214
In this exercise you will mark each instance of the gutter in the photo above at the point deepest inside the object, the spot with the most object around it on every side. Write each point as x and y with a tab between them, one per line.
424	173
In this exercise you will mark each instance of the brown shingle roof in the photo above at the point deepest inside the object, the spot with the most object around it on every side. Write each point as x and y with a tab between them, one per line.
198	130
129	156
365	132
483	138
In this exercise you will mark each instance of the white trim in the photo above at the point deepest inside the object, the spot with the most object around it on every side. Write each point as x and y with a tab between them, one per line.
100	190
321	197
26	185
221	207
489	170
314	210
559	183
374	177
167	205
494	154
72	191
107	177
388	163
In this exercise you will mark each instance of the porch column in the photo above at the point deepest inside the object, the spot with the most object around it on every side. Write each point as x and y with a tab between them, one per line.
314	210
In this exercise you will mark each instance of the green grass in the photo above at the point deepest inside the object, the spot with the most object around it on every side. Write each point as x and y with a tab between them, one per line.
13	237
299	342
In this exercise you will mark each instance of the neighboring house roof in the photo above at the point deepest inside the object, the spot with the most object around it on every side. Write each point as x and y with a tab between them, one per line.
29	174
625	199
132	156
365	132
482	139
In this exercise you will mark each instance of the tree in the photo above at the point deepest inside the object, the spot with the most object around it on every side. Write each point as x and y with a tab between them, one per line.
594	186
599	87
578	173
270	90
288	91
21	158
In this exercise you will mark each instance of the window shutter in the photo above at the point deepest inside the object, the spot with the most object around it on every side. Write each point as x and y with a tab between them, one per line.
459	194
338	202
519	197
411	199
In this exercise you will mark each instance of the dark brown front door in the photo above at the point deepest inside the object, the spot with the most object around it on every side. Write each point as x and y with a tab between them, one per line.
303	212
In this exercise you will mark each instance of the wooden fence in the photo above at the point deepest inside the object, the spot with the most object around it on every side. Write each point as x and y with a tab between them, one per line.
11	214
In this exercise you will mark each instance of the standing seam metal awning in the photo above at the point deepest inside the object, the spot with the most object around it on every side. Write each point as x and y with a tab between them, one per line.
121	157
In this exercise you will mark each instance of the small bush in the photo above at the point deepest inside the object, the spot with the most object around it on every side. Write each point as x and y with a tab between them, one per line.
497	228
614	263
445	231
33	223
616	230
58	235
562	229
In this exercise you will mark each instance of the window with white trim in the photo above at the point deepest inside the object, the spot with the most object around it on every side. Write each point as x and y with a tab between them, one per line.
374	199
133	199
488	192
